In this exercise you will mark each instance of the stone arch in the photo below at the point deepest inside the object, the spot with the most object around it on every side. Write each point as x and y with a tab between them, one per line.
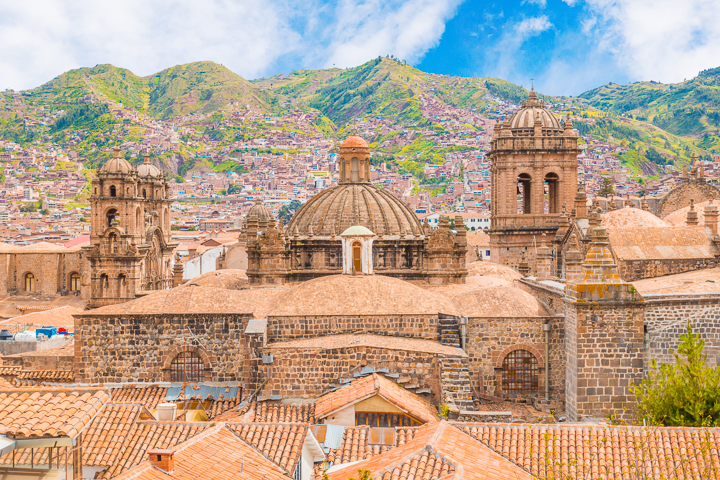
553	181
534	350
209	362
113	191
111	213
524	187
29	282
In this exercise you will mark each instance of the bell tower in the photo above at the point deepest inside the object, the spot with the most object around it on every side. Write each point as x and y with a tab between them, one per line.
533	173
130	249
354	161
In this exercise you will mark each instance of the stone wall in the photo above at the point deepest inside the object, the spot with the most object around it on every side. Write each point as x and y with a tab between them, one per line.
51	271
140	348
696	189
604	344
417	326
633	270
551	298
666	318
489	340
308	372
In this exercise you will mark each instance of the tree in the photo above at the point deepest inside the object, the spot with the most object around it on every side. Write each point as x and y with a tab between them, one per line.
287	211
684	394
607	187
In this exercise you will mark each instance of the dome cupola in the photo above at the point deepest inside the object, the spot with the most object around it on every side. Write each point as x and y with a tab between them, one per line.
354	161
116	165
147	169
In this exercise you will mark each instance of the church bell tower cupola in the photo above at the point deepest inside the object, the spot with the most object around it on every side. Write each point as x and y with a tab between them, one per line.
354	161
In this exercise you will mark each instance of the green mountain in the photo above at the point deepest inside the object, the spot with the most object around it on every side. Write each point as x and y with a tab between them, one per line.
690	108
195	87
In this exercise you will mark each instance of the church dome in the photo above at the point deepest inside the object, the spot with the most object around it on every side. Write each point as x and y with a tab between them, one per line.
147	169
336	209
498	301
631	218
260	211
532	109
354	142
117	164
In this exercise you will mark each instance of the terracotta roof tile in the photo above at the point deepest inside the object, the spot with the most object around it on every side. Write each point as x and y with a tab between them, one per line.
106	437
604	452
147	396
56	317
149	435
369	386
270	412
281	443
65	376
355	445
10	370
650	243
217	454
436	451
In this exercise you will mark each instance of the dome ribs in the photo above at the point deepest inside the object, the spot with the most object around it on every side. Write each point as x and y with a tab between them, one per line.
410	217
373	224
327	204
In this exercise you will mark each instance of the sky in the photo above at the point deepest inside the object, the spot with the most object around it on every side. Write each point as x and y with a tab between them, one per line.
565	47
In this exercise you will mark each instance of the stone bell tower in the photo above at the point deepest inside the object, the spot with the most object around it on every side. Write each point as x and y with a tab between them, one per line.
533	174
130	249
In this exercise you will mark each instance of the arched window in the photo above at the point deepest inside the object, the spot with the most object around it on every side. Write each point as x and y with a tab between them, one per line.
552	197
354	170
524	182
113	192
520	372
113	243
138	220
187	367
144	193
104	285
74	282
357	256
111	216
29	282
122	286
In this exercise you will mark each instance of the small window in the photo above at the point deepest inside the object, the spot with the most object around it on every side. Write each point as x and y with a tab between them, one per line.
113	192
319	431
74	282
520	372
487	253
187	367
29	282
382	436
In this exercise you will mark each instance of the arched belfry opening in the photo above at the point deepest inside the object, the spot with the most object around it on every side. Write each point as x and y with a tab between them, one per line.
524	192
357	250
552	193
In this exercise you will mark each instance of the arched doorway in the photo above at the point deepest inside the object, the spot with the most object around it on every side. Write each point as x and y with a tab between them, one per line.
524	188
187	367
354	170
357	256
520	373
111	216
29	282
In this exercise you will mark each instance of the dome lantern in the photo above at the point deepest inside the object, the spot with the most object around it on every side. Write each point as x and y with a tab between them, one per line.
354	161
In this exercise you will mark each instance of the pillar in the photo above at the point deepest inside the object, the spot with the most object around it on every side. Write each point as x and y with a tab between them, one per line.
711	219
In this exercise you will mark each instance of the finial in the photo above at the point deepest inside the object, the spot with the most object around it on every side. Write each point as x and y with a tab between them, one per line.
542	240
146	158
117	152
692	204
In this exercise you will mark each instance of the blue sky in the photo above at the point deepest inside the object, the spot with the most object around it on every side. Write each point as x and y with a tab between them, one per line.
567	46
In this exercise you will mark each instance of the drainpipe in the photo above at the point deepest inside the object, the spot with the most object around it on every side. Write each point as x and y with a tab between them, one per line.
546	328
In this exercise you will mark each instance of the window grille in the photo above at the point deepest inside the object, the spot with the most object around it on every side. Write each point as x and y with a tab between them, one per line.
520	372
187	367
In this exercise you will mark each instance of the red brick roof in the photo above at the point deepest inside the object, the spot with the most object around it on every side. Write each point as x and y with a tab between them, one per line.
48	412
65	376
217	454
148	396
280	443
438	449
355	445
604	452
369	386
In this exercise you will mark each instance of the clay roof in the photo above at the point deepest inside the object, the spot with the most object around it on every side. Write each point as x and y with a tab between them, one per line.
697	281
592	451
354	141
218	407
335	209
331	342
147	396
227	279
267	412
189	298
79	240
679	217
630	218
148	435
41	247
471	283
369	386
61	376
359	295
498	301
215	454
111	430
48	412
10	370
355	444
490	269
437	450
643	243
54	317
280	443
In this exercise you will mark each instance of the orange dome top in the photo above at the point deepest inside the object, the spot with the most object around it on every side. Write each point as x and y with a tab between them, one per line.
354	142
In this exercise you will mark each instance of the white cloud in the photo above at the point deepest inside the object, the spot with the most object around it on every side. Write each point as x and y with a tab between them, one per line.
539	3
663	40
40	39
571	3
532	26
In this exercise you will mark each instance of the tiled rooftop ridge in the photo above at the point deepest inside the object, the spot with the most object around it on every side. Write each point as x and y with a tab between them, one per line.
281	443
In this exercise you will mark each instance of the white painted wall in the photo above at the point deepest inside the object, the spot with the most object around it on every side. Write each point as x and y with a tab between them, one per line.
207	262
365	254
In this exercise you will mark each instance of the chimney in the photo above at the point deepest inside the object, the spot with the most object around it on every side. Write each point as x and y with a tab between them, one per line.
166	412
711	218
162	459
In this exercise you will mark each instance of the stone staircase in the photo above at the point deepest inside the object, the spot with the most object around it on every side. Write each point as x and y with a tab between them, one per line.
455	382
449	331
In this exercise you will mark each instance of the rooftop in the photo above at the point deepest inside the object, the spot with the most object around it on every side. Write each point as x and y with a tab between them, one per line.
361	340
631	218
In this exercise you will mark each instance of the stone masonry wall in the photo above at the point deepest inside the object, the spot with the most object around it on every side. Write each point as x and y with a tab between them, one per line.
632	270
605	355
419	326
308	372
550	298
140	348
489	340
667	318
